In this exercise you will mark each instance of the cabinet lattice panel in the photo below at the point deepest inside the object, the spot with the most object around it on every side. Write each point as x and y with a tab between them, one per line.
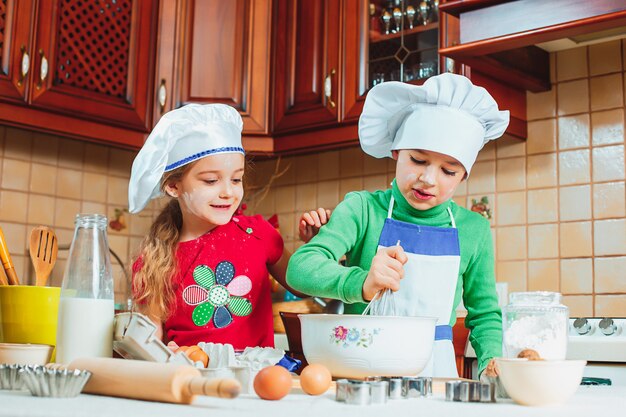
3	11
93	41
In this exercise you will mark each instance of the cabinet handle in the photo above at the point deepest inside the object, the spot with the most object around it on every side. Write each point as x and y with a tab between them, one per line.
43	69
162	95
328	88
25	66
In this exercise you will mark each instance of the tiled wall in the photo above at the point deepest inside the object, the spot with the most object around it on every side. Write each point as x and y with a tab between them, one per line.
558	199
46	180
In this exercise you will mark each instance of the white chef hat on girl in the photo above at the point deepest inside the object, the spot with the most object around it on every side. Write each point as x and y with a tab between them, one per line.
180	137
447	114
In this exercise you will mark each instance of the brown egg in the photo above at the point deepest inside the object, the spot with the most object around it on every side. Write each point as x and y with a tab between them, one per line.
530	354
272	383
196	354
315	379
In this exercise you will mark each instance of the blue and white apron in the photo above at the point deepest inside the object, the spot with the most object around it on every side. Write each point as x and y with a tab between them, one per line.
429	283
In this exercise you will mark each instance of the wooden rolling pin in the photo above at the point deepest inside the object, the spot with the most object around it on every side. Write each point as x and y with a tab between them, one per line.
151	381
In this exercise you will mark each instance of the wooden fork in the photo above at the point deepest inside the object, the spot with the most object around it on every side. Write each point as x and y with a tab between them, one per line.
43	252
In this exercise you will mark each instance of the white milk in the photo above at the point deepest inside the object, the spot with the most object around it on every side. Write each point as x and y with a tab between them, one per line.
85	329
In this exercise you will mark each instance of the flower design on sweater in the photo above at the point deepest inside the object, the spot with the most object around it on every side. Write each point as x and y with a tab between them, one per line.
218	295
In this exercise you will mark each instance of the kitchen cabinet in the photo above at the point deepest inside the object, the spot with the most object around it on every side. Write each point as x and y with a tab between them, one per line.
500	38
79	68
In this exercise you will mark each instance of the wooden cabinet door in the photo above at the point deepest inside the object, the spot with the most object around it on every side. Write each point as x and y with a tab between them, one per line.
226	58
356	47
95	60
16	23
307	74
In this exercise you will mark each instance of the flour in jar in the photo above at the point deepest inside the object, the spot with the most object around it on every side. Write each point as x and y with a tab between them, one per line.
547	334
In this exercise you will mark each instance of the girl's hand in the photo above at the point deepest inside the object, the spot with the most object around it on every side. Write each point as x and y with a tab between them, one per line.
386	271
311	222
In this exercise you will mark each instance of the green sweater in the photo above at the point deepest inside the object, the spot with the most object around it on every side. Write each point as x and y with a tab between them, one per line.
354	229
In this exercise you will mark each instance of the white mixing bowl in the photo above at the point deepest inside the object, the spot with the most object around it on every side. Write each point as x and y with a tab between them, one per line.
355	346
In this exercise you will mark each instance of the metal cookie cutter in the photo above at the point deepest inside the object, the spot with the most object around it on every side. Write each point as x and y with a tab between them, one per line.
357	392
395	387
470	391
415	387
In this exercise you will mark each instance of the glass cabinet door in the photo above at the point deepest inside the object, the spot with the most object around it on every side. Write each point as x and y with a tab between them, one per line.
403	40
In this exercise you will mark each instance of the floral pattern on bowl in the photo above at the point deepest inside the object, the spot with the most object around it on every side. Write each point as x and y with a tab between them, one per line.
353	337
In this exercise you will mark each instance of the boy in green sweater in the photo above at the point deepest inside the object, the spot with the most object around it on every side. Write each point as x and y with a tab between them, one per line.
413	238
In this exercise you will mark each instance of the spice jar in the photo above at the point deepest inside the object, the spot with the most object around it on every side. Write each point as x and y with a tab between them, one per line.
535	320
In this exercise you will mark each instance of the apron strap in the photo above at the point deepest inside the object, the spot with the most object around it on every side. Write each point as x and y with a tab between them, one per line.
390	210
451	217
443	332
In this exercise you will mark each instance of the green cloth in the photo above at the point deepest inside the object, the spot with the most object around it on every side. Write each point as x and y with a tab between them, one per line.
354	229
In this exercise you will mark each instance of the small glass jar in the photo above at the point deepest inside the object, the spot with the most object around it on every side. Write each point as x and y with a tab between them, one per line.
535	320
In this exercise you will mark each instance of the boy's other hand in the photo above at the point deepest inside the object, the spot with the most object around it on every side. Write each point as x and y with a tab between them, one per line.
386	271
311	222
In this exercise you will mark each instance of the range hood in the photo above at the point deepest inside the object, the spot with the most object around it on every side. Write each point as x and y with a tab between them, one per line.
511	40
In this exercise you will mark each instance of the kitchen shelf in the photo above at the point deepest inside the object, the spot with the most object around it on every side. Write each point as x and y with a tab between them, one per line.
407	32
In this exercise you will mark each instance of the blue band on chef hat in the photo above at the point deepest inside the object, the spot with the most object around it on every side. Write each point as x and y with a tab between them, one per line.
202	154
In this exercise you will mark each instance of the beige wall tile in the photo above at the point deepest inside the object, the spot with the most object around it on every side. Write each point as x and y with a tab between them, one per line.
306	168
575	203
119	245
288	168
375	182
574	131
111	214
543	241
306	197
18	144
609	275
575	239
328	165
94	187
373	165
511	208
288	223
94	208
348	185
139	224
579	305
510	174
608	163
542	171
45	148
571	64
514	274
609	200
541	105
542	206
120	162
328	194
2	133
96	158
43	179
56	277
610	305
117	191
552	67
573	97
460	201
609	237
65	212
285	199
64	236
487	153
482	178
543	275
605	57
351	162
21	269
574	167
541	136
71	153
511	243
41	210
15	174
461	189
607	127
264	204
391	164
606	92
69	183
576	276
15	237
493	206
508	146
13	206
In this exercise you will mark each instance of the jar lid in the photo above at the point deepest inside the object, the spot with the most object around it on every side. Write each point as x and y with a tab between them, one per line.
535	297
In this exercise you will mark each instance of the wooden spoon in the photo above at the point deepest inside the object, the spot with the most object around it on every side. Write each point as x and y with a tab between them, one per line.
43	252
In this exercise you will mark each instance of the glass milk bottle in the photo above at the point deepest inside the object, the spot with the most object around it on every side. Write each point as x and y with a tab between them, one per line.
535	320
86	308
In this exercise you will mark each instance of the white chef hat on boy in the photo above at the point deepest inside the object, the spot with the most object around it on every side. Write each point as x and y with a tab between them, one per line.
447	114
182	136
